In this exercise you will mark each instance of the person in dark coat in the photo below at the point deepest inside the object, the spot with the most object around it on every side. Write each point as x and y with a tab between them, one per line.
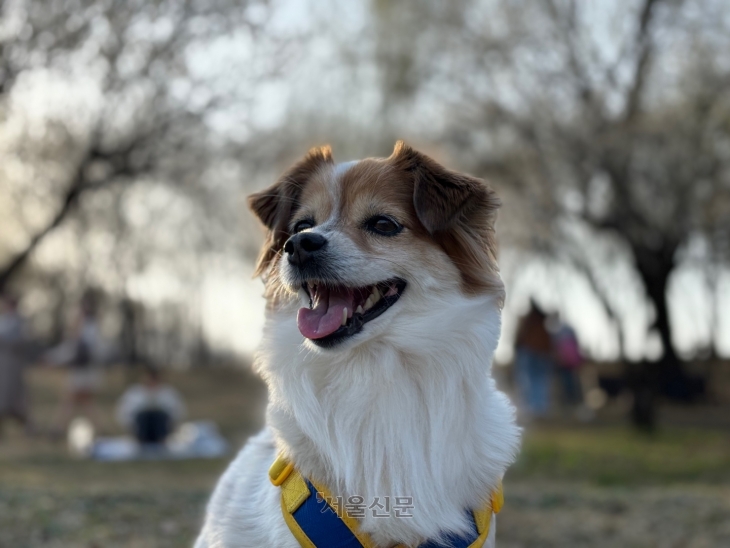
533	361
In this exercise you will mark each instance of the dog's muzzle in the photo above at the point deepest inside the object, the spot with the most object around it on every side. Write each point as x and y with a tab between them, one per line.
304	247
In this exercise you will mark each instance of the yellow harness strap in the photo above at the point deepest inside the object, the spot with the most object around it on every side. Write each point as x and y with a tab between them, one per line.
295	491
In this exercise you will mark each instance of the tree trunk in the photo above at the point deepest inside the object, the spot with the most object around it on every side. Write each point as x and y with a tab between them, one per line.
654	266
656	288
667	376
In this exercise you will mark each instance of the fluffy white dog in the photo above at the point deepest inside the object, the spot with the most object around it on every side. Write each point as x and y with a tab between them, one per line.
383	315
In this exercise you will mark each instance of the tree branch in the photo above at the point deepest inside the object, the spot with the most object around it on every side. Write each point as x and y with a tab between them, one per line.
70	199
644	46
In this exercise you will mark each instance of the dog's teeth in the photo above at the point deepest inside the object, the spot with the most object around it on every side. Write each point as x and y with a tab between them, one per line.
344	316
359	309
375	295
369	302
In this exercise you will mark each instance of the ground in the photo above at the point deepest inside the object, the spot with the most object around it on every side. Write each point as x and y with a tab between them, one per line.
575	485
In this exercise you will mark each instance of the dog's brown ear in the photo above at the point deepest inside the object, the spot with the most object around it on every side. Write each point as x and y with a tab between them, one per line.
275	205
458	211
443	197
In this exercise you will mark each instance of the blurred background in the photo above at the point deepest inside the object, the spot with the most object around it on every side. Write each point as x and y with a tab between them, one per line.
132	131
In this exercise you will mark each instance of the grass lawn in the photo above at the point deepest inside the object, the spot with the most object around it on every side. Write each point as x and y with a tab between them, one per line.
608	486
599	485
616	455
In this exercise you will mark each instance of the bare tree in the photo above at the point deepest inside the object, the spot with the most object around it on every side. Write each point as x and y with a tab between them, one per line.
587	126
606	120
151	120
128	136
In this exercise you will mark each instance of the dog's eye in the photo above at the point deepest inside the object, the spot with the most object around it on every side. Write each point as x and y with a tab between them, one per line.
304	224
385	226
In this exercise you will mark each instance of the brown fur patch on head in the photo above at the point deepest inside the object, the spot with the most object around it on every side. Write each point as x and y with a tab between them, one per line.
443	212
373	187
275	205
458	212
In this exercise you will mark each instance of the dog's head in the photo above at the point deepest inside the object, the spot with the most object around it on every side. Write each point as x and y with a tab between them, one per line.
358	244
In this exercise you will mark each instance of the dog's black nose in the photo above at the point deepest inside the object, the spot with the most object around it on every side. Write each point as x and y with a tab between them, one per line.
301	247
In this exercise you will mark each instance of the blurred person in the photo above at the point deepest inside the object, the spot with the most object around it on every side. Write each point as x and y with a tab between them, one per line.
151	409
13	398
81	354
568	361
533	361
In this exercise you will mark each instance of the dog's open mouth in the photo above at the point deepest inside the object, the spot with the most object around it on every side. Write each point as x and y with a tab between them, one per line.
338	312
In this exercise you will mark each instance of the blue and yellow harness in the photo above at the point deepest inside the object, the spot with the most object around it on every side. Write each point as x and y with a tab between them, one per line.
317	524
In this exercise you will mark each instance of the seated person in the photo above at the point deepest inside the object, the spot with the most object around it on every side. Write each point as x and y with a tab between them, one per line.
151	409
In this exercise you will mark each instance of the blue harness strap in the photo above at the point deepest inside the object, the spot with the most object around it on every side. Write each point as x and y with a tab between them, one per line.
316	524
455	541
322	524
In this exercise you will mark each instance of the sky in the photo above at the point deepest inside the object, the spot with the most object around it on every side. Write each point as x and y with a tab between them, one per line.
231	302
557	287
233	309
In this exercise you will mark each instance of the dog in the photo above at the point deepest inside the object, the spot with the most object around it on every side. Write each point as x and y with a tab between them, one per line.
383	315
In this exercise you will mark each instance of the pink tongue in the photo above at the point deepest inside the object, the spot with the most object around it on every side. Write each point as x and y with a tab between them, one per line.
326	316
